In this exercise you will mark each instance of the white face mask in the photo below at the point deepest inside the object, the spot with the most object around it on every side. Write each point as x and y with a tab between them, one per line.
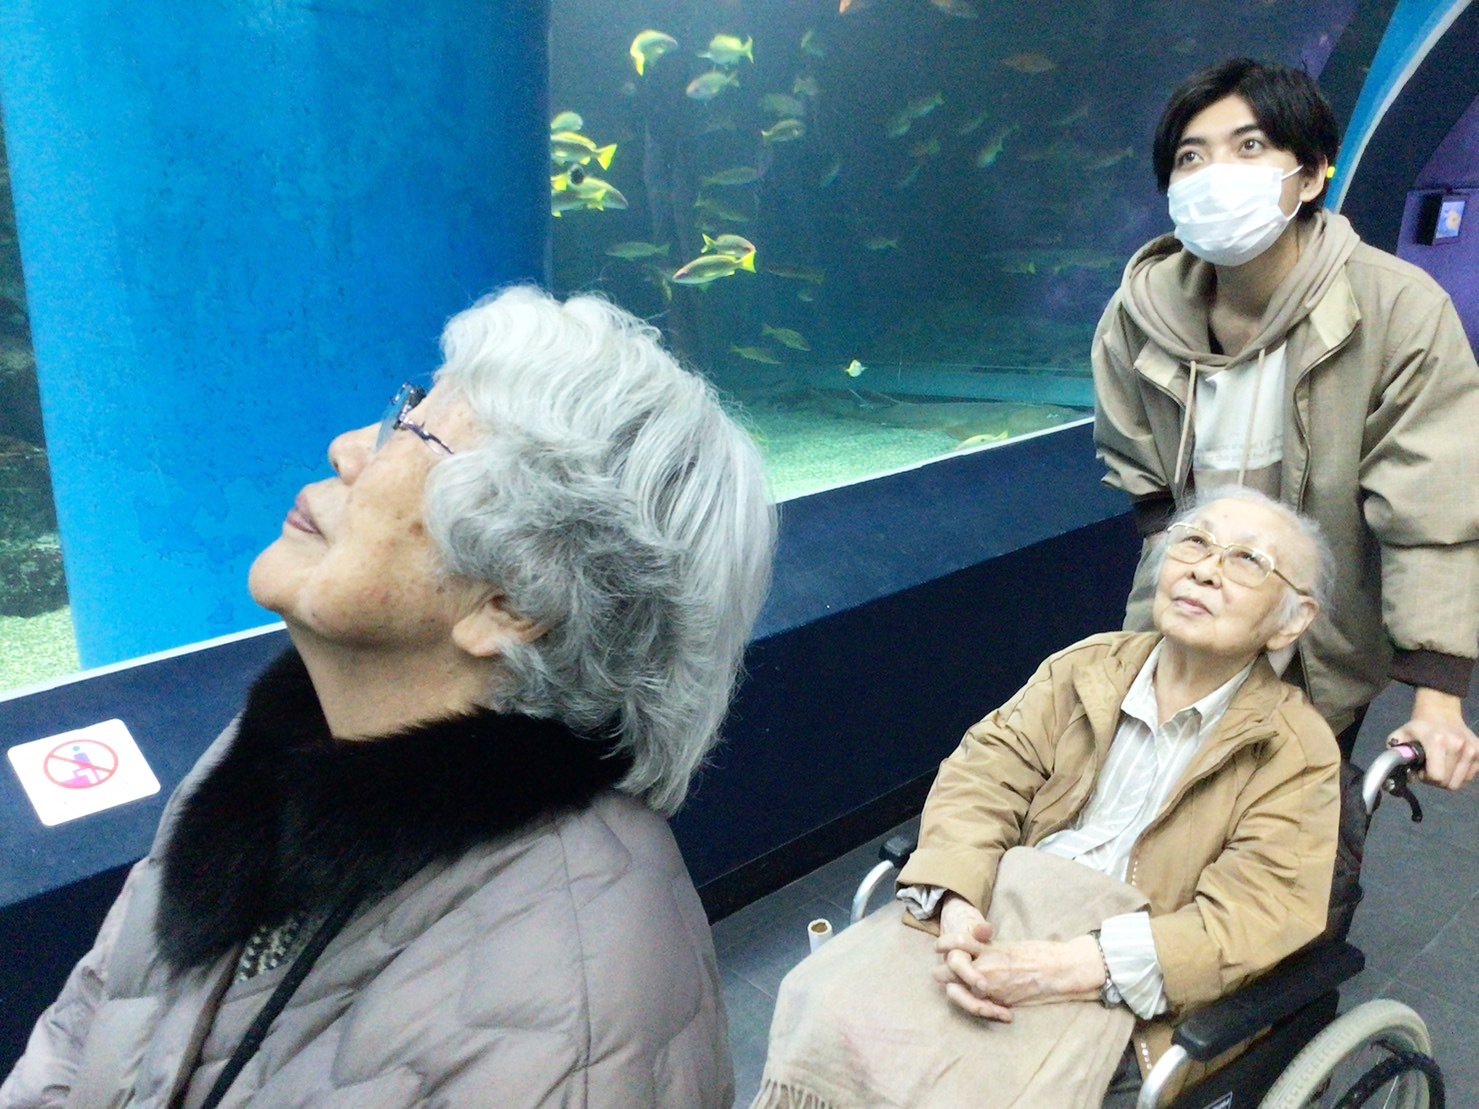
1229	214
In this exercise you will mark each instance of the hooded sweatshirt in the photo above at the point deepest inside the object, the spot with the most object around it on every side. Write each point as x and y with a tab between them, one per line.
1156	284
1378	400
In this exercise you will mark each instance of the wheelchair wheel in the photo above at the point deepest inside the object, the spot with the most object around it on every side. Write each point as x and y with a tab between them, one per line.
1377	1054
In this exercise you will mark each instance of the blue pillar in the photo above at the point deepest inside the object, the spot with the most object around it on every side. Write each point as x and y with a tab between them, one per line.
242	224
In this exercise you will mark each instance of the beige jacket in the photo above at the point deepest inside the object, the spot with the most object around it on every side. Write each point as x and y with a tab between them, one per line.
1380	446
1237	866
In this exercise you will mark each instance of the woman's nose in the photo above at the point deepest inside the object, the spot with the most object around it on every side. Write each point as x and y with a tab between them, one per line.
349	452
1209	569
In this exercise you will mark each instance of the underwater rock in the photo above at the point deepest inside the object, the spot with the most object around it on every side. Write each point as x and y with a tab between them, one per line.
26	508
31	577
19	400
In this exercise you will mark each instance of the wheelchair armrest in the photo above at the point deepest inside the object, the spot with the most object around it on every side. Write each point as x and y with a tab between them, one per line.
892	855
1289	987
1283	991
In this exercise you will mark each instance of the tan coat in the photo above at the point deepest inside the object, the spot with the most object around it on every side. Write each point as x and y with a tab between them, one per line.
1237	866
1380	446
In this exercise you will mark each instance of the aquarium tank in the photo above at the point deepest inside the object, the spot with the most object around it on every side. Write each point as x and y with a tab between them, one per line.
887	228
36	640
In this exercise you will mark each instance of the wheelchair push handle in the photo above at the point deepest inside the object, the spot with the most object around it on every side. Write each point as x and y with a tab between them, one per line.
1389	772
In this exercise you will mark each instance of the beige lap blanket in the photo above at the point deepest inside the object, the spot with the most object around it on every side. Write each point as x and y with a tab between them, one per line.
863	1023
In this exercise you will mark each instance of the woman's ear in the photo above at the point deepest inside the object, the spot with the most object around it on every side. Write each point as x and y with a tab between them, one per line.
492	627
1296	625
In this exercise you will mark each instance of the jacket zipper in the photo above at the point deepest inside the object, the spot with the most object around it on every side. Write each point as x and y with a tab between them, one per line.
1304	478
1091	772
1304	435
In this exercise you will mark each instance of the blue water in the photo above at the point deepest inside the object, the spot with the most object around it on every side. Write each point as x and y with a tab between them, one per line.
956	266
961	202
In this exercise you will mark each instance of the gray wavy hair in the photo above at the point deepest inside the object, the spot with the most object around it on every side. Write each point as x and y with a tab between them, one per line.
616	503
1319	560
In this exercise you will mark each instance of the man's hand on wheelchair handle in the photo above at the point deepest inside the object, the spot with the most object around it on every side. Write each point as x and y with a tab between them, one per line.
1451	747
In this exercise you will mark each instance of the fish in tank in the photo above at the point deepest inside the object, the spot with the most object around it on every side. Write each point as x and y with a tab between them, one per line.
886	227
897	220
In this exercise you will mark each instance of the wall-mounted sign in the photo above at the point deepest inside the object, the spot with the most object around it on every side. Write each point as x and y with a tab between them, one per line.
82	772
1441	218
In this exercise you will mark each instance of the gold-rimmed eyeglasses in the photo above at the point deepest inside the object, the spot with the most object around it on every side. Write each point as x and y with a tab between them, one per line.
1242	564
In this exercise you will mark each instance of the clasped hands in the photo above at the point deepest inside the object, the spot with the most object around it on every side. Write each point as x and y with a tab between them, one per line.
988	979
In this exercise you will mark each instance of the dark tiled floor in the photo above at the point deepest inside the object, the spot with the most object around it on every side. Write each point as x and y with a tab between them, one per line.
1419	924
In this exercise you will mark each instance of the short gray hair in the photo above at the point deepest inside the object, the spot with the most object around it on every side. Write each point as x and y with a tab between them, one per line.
615	502
1317	548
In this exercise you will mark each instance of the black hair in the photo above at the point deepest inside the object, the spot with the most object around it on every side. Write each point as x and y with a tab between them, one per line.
1286	102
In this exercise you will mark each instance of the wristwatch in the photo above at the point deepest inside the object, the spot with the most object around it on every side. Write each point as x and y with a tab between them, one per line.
1109	994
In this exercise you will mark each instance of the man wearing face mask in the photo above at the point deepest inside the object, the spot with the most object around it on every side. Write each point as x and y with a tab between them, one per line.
1264	344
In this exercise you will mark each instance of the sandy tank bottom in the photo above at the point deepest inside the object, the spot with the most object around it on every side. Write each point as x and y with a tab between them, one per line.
807	451
37	649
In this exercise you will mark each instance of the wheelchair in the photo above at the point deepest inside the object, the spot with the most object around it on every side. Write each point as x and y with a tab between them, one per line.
1301	1052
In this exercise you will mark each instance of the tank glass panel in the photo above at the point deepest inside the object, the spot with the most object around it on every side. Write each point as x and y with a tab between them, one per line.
886	227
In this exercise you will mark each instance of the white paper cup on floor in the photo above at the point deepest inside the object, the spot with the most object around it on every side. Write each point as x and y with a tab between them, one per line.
818	932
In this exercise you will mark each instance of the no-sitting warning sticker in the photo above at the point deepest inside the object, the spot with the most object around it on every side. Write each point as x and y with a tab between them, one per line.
82	772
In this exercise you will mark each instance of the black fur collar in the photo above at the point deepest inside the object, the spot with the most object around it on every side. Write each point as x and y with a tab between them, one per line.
291	819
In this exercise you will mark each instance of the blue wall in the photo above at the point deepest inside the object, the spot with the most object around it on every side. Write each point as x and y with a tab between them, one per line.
242	225
1413	29
1454	167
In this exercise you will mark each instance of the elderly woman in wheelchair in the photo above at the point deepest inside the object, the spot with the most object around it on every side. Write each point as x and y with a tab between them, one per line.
1149	824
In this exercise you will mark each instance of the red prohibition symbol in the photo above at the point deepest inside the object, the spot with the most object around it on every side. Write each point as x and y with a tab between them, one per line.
80	764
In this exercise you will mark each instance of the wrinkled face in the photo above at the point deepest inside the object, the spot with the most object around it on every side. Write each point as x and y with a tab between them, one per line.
1198	608
1228	132
354	563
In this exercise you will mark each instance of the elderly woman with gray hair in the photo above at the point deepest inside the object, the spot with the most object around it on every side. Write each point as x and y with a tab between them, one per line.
428	864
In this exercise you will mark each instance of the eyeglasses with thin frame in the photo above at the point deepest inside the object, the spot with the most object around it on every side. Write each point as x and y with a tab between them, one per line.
407	397
1242	564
